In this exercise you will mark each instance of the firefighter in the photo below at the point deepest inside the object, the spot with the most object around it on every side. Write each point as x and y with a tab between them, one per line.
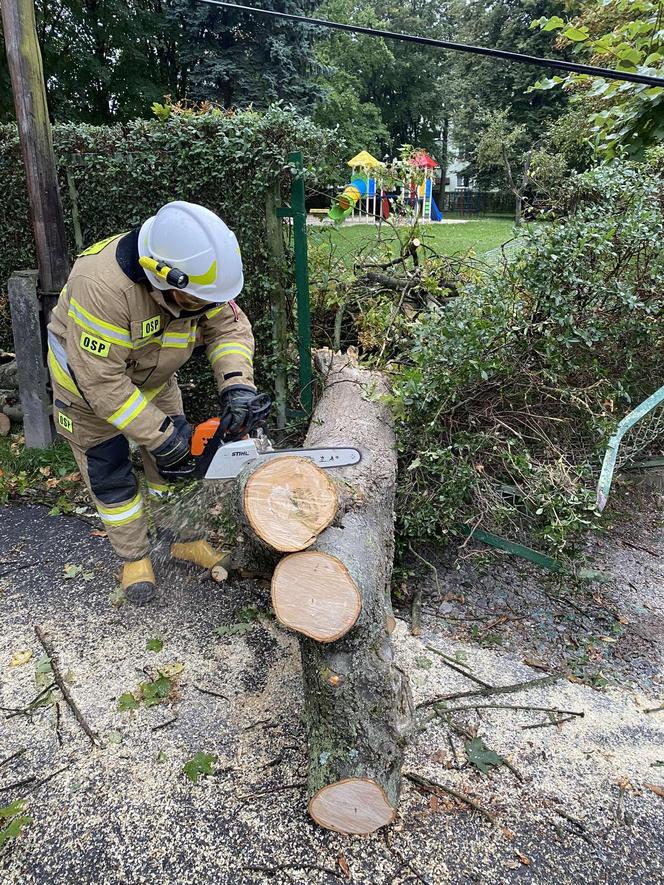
133	309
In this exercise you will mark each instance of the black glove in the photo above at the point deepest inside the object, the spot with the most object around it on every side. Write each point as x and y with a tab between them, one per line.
235	411
175	450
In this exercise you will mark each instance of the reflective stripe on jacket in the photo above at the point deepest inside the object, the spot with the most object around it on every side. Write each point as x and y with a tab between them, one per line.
114	342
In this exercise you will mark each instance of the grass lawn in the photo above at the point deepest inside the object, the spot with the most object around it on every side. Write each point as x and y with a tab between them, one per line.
448	239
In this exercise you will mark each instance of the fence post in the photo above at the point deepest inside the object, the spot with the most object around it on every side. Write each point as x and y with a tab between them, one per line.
275	246
29	346
302	281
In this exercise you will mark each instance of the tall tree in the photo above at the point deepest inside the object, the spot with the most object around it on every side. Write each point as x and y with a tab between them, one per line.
237	58
628	36
408	84
485	85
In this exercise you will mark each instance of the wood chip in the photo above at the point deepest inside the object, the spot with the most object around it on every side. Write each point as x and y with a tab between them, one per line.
658	791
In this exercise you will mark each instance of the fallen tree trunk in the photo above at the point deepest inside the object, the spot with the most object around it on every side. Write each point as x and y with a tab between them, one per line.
357	704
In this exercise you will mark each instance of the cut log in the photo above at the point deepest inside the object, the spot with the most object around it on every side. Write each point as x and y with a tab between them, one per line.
357	703
285	502
5	425
315	594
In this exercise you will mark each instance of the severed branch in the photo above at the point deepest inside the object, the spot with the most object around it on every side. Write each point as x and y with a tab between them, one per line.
214	694
501	689
454	666
548	724
62	685
436	788
579	713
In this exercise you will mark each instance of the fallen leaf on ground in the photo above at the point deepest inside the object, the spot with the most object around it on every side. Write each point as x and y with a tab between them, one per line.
343	866
171	670
440	757
155	644
127	701
535	663
45	471
658	791
481	756
201	764
434	802
522	857
20	657
97	533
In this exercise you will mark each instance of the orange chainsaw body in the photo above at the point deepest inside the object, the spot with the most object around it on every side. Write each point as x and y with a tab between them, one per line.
202	435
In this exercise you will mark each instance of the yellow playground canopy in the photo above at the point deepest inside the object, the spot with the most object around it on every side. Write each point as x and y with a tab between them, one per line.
364	159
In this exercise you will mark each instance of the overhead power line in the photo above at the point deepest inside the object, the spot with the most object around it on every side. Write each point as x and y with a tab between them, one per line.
518	57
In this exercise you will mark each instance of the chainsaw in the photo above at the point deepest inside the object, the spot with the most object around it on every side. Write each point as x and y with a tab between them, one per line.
216	453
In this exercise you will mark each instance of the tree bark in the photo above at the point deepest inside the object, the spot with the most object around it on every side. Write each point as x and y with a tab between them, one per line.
357	704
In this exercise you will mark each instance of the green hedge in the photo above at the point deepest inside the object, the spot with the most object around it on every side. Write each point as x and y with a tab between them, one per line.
124	173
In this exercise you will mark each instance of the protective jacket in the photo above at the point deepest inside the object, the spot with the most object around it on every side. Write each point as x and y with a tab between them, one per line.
115	343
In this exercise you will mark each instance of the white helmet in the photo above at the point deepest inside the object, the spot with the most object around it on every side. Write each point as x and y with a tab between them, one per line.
198	243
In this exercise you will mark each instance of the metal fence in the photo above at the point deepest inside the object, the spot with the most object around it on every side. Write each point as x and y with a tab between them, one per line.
471	202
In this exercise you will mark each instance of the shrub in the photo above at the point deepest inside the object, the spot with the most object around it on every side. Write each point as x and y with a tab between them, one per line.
505	396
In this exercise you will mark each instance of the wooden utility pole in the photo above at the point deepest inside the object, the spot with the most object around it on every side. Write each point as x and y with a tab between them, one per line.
27	78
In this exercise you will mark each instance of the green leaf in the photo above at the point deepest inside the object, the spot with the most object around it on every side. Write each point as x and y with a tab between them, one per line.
156	691
201	764
114	737
117	597
154	645
554	24
423	663
575	34
13	829
127	701
479	755
18	806
161	757
72	571
43	665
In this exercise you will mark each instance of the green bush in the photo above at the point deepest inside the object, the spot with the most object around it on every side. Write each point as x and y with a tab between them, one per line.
505	395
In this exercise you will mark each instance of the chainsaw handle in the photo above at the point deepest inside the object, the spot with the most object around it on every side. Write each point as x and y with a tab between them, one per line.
258	408
196	467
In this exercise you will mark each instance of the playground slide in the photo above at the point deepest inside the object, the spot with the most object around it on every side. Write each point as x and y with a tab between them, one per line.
348	200
436	214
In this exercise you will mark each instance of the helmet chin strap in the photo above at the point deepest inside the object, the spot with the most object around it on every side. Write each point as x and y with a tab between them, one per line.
171	275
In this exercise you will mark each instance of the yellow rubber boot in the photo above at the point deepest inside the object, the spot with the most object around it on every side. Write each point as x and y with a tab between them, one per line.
138	581
204	555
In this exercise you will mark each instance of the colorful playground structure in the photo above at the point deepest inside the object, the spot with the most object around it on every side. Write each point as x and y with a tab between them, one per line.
366	196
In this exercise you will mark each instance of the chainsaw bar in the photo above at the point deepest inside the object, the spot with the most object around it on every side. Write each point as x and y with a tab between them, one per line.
229	459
